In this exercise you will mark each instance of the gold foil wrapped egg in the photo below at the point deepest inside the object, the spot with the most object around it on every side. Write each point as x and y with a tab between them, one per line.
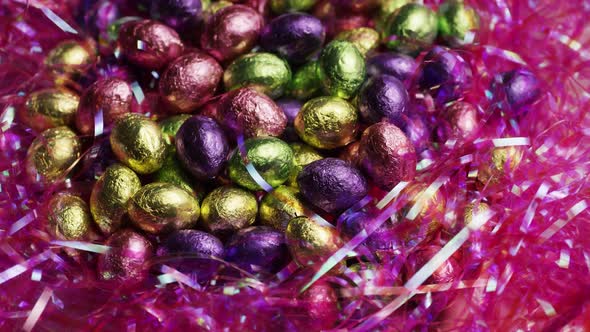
227	209
279	206
309	242
163	207
424	205
68	217
110	194
138	143
303	155
71	56
503	160
49	108
51	155
327	122
474	209
365	39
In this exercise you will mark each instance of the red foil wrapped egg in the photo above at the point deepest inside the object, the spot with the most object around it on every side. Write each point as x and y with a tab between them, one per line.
190	81
149	44
231	31
112	96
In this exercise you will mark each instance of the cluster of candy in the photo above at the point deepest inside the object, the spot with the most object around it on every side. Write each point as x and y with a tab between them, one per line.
263	130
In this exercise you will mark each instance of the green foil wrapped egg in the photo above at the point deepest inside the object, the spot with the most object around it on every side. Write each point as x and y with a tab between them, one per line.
51	155
283	6
110	194
341	69
49	108
306	82
365	39
279	206
68	217
138	143
456	21
411	28
327	122
228	209
173	172
386	8
271	157
302	156
170	126
163	207
264	72
309	242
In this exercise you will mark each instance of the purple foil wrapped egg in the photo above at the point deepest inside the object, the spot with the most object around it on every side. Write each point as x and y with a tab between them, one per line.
418	132
291	108
295	36
352	224
445	74
190	81
149	44
202	147
257	249
250	113
399	65
521	87
176	13
387	155
384	97
189	251
331	184
127	260
231	31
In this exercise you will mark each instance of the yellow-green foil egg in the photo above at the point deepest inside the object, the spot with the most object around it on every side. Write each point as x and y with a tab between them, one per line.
138	143
163	207
473	210
503	160
110	194
302	156
327	122
455	21
341	69
49	108
172	172
365	39
411	28
283	6
309	242
228	209
68	217
170	126
51	155
71	56
264	72
279	206
386	8
271	157
306	82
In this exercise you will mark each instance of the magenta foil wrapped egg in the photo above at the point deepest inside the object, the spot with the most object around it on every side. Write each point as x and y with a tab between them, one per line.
232	31
190	81
127	260
149	44
387	155
111	96
250	113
